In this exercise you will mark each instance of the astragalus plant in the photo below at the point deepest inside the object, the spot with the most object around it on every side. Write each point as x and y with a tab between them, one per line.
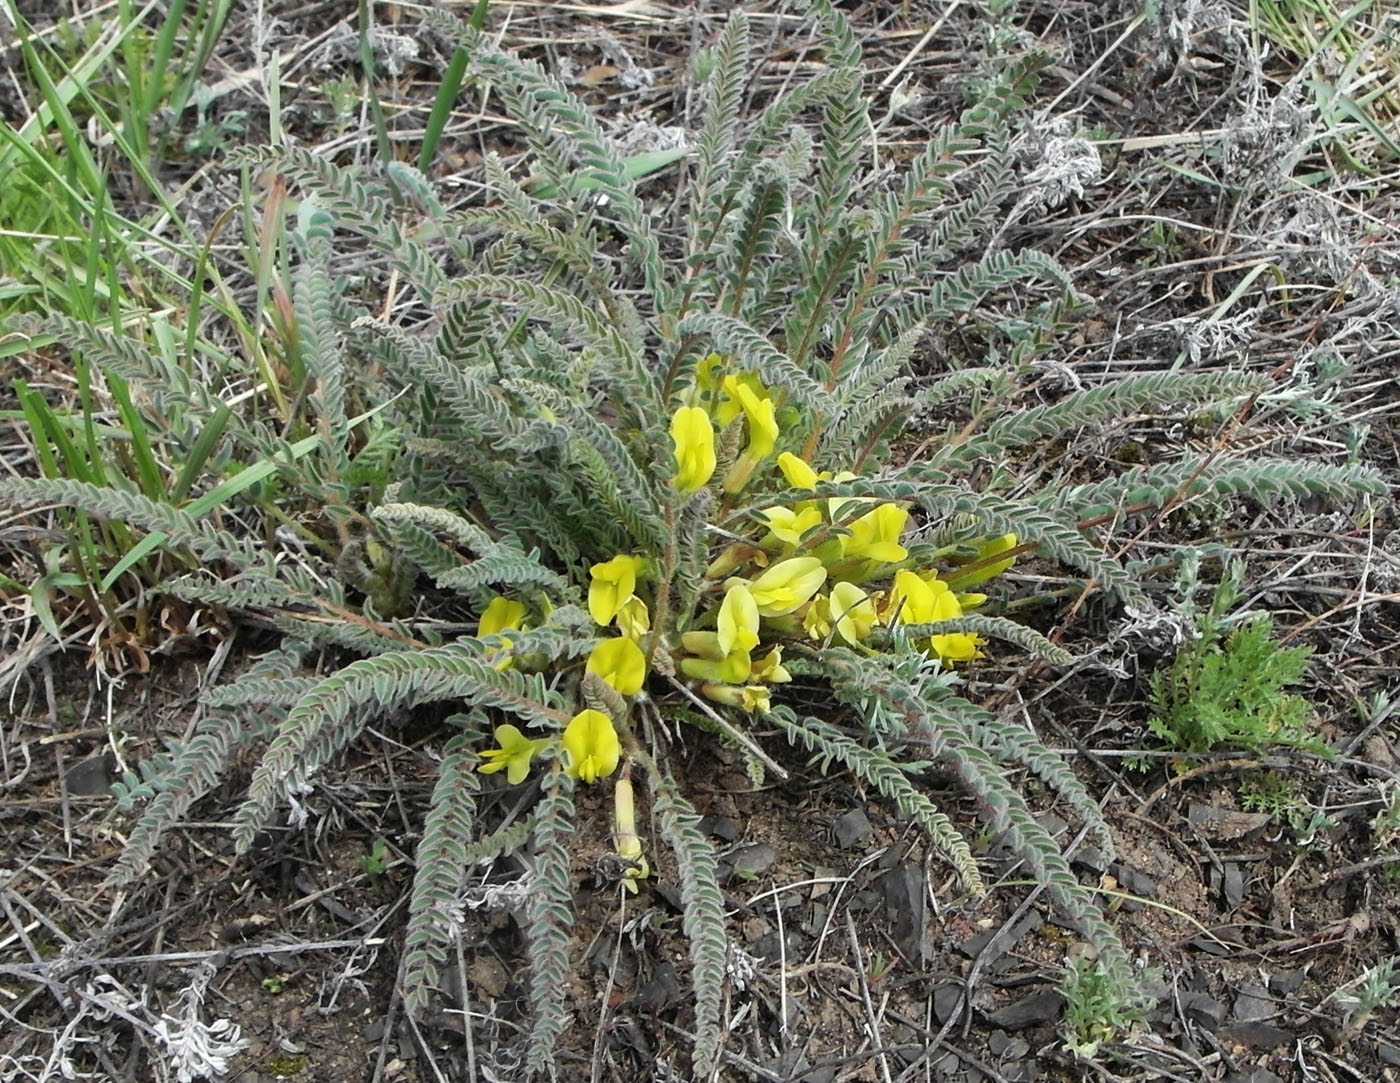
655	476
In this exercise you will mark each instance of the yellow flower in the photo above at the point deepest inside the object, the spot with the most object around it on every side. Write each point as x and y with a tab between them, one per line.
769	668
875	535
710	662
694	437
988	547
629	843
633	620
513	756
853	611
621	663
501	614
799	475
731	405
591	746
816	622
760	411
911	599
738	620
613	583
918	600
787	585
788	526
754	698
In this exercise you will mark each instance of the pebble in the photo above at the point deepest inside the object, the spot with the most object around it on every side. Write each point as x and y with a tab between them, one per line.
852	828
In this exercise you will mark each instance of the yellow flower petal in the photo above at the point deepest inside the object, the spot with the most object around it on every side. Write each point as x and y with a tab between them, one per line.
787	585
621	663
591	746
738	620
853	611
694	438
513	756
612	586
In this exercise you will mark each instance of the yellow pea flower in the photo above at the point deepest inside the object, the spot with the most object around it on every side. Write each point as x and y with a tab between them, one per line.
788	525
513	756
787	585
710	663
738	620
853	611
633	619
911	599
988	547
816	621
591	746
614	582
629	843
760	411
500	615
875	535
769	668
754	698
798	474
694	437
621	663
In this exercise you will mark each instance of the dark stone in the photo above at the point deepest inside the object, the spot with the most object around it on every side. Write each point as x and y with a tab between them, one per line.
1091	857
995	943
750	862
1232	886
1283	982
852	828
663	989
1257	1075
720	827
89	778
1029	1011
1254	1004
1225	824
1388	1054
902	889
1203	1009
1262	1036
946	999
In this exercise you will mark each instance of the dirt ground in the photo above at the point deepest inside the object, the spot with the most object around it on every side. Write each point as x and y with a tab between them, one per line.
1199	243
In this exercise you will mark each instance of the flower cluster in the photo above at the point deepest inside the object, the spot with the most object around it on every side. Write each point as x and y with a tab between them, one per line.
825	569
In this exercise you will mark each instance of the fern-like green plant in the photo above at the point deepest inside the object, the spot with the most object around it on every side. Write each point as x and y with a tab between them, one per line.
1227	686
634	481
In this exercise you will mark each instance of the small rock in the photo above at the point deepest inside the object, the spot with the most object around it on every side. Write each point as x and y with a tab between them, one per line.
1203	1009
663	989
1283	982
946	1001
88	778
1224	824
1379	752
1091	857
1003	1045
1232	886
1258	1075
720	827
1254	1004
1262	1036
852	828
1029	1011
750	862
903	891
1388	1054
